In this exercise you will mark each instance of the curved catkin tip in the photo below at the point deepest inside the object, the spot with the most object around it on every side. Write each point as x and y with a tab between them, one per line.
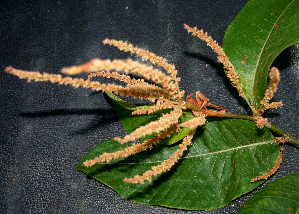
274	74
272	171
8	69
106	41
88	163
274	77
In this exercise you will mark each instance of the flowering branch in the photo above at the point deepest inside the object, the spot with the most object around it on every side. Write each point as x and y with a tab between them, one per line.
164	90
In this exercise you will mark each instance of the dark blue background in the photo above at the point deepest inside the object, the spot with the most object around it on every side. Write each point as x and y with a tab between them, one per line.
46	129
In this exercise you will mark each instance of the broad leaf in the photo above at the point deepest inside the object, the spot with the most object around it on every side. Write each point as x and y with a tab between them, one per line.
217	168
261	31
280	196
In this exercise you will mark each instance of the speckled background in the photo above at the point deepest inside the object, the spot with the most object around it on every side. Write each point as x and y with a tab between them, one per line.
46	129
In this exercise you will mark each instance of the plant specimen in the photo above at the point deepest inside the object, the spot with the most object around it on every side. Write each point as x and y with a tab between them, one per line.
177	147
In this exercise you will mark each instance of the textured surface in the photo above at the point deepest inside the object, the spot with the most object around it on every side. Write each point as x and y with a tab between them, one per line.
46	129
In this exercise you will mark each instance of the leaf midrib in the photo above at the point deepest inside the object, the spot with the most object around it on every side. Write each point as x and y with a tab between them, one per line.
205	154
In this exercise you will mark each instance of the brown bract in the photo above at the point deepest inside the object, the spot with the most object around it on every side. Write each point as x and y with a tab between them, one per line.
202	102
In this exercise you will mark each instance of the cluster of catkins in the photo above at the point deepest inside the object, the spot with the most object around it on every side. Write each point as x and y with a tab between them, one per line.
161	88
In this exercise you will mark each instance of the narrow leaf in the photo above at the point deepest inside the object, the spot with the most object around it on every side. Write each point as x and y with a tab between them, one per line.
121	102
177	136
131	122
260	32
217	168
280	196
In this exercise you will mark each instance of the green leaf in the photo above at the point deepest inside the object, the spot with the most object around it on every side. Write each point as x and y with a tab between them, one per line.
217	168
131	122
177	136
124	104
260	32
280	196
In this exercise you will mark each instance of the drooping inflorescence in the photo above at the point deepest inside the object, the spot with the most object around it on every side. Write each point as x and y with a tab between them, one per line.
157	87
160	87
272	171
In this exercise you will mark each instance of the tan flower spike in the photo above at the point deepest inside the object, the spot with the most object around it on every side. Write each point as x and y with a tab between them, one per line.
162	89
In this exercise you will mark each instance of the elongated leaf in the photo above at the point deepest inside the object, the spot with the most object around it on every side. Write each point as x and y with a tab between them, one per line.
124	104
131	122
280	196
261	31
217	168
177	136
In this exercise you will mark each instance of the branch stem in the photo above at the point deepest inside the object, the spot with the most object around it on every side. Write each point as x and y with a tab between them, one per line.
286	136
270	126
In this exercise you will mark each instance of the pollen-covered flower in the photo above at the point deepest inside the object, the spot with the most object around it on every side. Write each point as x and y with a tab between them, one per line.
153	127
165	165
274	77
195	122
131	150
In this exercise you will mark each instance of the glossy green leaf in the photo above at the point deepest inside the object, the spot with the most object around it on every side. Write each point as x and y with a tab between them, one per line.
124	104
280	196
177	136
217	168
131	122
260	32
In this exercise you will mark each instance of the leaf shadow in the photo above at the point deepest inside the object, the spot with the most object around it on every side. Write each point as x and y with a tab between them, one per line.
220	72
103	117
